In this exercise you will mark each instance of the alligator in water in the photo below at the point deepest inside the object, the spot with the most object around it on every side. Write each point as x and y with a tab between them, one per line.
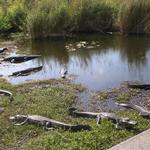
126	122
139	86
6	93
26	72
142	111
20	59
3	49
46	122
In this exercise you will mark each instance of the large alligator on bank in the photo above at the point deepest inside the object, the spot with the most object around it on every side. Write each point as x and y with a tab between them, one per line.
20	59
26	72
126	122
6	93
2	49
46	122
139	86
142	111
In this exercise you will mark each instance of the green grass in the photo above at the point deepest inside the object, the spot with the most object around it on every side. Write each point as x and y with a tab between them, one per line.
52	99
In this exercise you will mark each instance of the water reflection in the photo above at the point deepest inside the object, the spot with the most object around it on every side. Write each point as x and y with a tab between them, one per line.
112	61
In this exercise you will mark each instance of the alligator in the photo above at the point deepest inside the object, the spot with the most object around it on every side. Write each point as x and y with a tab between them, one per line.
26	71
139	86
142	111
126	122
6	93
47	123
1	110
2	49
20	59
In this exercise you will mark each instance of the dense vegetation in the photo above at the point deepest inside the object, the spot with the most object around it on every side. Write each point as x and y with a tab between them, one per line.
44	18
52	99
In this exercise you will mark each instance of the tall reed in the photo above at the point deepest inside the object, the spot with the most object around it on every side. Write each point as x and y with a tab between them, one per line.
62	16
44	18
134	16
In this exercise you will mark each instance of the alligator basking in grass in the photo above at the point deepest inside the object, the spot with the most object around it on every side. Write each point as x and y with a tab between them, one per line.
126	122
6	93
46	122
2	49
20	59
26	71
142	111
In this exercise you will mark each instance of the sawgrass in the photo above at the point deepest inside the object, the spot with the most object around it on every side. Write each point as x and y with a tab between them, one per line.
52	99
45	18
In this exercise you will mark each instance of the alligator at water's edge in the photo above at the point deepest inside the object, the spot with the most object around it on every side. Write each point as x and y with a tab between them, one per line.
139	86
142	111
20	59
26	71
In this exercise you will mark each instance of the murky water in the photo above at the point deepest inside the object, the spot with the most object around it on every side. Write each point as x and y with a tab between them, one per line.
98	62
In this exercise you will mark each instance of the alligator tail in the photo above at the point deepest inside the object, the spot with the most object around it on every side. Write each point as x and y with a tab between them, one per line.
80	127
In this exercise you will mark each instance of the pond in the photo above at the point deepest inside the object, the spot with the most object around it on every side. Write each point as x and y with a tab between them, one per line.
98	62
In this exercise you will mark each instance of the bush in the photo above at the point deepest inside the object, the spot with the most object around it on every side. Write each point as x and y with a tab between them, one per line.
13	18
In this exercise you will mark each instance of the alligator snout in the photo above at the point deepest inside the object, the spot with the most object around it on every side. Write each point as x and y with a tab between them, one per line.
12	118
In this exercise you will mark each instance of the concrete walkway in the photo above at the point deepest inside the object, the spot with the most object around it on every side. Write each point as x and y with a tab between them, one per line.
138	142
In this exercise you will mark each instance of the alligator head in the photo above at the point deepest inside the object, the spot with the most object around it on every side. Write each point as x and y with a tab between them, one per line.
145	114
18	118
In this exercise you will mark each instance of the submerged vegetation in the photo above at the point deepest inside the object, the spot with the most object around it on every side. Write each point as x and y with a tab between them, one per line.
52	99
46	18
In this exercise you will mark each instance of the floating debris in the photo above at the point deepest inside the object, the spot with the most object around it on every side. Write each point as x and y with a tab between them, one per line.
82	45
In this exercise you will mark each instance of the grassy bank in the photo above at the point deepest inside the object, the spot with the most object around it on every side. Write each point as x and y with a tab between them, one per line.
52	99
46	18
